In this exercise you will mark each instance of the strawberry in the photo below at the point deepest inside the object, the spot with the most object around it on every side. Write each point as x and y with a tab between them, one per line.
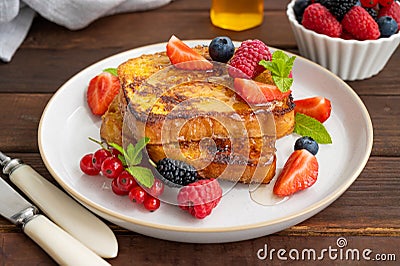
299	172
101	91
316	107
184	57
255	92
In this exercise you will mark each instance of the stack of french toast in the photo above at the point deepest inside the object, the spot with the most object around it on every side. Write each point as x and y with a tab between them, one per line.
188	116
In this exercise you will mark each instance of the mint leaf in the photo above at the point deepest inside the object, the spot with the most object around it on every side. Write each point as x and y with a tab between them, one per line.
143	175
133	154
112	71
142	143
122	159
284	83
308	126
280	67
284	62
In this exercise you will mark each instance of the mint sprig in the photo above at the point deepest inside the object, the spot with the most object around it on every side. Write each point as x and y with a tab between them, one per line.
132	157
280	67
112	71
308	126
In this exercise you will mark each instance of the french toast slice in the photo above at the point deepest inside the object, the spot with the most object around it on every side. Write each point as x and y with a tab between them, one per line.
149	120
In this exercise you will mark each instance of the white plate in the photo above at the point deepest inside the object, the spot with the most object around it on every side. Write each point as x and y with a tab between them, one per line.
67	123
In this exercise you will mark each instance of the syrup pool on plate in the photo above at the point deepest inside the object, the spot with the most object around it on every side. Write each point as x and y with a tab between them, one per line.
263	194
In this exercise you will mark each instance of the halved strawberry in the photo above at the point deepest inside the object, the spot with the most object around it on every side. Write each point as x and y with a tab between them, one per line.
256	92
300	172
184	57
101	91
317	107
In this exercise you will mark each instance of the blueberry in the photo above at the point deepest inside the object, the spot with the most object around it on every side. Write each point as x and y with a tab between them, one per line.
299	7
387	26
307	143
221	49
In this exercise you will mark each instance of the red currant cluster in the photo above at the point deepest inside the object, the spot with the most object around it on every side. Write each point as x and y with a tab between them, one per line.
106	162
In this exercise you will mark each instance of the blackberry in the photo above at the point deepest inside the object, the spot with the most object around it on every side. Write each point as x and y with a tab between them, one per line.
177	172
339	8
299	7
325	3
373	13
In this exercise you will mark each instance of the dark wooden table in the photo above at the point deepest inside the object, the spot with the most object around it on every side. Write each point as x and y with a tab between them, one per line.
367	215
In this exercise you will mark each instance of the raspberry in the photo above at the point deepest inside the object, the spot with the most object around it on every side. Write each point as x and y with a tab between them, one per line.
247	57
339	8
360	24
393	10
346	35
200	198
316	17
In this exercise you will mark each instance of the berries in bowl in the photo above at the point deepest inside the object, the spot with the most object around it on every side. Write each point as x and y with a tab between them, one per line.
353	39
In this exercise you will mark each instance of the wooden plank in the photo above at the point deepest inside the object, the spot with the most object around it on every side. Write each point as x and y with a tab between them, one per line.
384	83
20	119
19	249
190	5
56	54
369	207
22	113
45	34
49	69
245	252
384	112
344	250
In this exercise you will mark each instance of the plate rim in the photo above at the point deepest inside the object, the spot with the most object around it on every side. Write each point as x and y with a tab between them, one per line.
315	207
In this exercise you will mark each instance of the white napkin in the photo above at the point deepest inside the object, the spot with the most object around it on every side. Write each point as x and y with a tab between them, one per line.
16	16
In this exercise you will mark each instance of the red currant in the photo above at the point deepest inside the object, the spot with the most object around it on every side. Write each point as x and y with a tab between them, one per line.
138	194
99	156
115	188
115	152
125	181
151	203
369	3
157	188
112	167
86	165
385	2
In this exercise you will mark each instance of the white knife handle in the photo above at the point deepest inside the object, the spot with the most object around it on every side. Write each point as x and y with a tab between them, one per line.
66	212
62	247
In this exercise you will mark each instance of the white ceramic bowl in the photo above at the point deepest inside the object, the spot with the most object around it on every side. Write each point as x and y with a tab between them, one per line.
349	59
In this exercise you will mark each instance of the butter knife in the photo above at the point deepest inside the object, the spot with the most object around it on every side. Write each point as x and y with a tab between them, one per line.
61	246
62	209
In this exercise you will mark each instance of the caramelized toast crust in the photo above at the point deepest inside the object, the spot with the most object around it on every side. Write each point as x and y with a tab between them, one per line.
151	109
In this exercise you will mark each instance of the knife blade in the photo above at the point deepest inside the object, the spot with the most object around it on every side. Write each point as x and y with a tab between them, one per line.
61	246
62	209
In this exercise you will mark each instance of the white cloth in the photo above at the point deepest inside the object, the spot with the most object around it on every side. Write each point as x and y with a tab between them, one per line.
16	16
